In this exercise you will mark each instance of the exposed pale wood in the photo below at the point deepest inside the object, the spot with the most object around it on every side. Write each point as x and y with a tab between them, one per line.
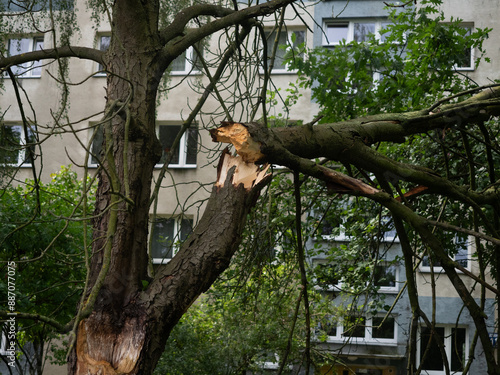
245	173
238	135
103	351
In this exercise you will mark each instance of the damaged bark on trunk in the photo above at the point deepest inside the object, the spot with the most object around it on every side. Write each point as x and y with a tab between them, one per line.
125	344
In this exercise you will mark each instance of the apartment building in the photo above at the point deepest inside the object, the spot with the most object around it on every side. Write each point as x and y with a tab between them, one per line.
378	343
378	346
75	137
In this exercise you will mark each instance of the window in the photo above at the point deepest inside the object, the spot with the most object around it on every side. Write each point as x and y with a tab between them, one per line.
24	45
185	154
387	227
333	229
96	148
103	45
385	276
14	145
461	249
456	347
286	41
467	61
187	63
325	275
369	330
358	30
166	235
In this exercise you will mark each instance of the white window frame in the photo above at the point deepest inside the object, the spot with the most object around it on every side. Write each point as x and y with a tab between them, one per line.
31	69
390	289
189	67
93	128
182	164
22	158
99	68
471	67
368	338
379	25
330	287
342	237
289	32
339	285
447	340
439	269
176	236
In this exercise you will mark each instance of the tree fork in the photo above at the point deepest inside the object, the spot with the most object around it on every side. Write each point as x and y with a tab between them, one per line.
108	344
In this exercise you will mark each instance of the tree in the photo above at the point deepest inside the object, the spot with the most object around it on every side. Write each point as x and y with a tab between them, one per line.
51	286
126	314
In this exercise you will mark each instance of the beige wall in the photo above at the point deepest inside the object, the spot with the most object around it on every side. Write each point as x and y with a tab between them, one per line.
87	103
482	14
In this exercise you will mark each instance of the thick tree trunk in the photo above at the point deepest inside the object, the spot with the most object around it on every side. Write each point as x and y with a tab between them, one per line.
130	341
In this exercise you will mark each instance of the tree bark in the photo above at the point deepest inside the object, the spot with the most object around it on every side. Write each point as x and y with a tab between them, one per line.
132	341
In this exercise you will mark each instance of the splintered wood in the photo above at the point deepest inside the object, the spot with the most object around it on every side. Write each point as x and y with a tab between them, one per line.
238	135
245	173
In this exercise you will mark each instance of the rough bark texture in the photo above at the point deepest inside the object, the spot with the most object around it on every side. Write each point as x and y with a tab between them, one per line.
124	328
130	341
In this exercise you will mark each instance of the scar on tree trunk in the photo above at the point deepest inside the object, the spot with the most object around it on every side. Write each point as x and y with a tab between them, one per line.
111	344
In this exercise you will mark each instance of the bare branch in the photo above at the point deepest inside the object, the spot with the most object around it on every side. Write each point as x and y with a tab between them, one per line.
53	53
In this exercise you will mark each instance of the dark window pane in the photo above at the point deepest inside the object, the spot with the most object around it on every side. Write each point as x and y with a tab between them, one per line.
325	275
300	37
462	253
384	276
196	61
24	45
279	61
426	262
383	329
433	359
36	70
284	44
186	228
10	144
457	349
103	46
97	144
354	326
465	60
167	135
104	43
192	145
331	226
30	146
329	327
179	64
163	238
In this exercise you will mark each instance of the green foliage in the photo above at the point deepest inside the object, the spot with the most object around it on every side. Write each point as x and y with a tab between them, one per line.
42	232
244	320
412	68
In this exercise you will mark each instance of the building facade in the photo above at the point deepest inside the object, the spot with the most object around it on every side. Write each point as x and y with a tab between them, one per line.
378	344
